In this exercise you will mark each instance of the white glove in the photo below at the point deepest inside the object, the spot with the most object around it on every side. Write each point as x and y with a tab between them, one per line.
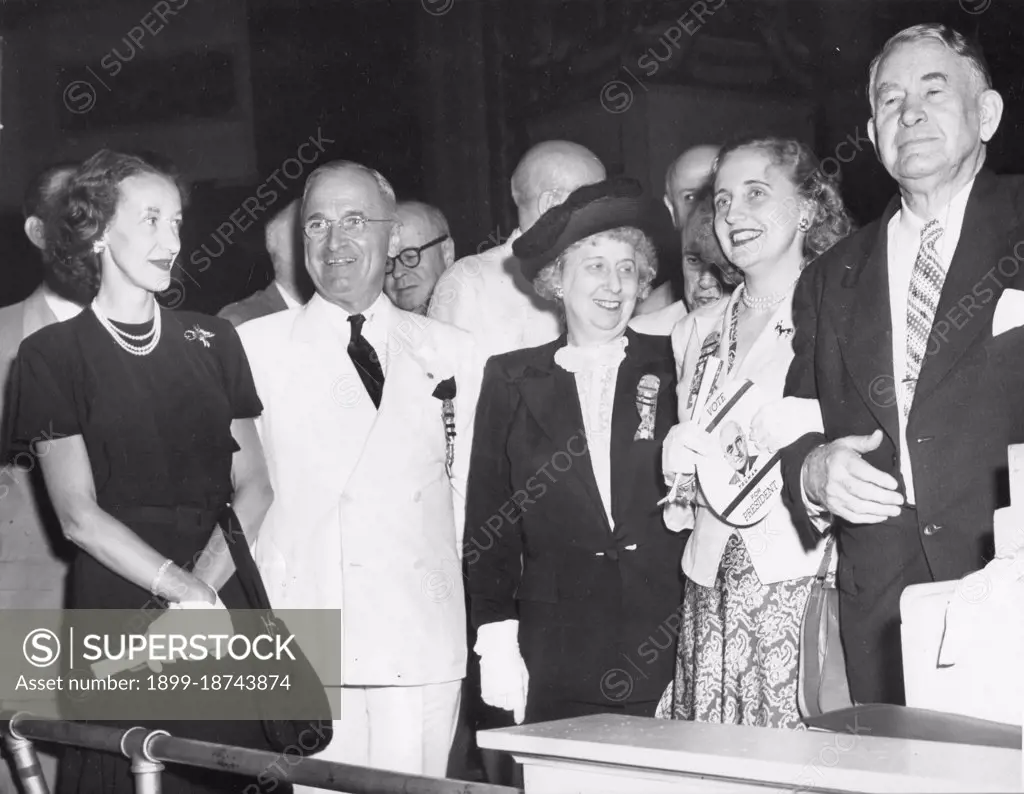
678	517
504	680
173	621
684	445
781	422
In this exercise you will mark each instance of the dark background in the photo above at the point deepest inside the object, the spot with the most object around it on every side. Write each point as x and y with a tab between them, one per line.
440	95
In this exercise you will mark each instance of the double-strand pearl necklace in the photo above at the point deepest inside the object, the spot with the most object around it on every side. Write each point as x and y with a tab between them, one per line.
129	342
764	303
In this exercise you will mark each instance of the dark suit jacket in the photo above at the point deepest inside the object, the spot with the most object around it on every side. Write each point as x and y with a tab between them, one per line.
259	304
968	403
596	603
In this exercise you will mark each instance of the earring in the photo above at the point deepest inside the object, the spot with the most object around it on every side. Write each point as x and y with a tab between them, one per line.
99	247
804	225
558	293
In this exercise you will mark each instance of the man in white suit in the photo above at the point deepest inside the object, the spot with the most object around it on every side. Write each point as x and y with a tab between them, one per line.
368	477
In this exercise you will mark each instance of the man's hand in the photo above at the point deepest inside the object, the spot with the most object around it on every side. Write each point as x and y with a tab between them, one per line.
836	477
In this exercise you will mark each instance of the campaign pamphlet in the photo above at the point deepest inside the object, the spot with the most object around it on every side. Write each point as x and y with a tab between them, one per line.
739	484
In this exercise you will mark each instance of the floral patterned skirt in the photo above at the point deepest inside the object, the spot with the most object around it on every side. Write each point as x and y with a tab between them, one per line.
739	648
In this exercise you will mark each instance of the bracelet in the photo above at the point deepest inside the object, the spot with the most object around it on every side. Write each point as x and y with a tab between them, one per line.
159	575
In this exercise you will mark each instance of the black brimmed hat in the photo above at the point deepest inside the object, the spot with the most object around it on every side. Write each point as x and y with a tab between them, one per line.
588	210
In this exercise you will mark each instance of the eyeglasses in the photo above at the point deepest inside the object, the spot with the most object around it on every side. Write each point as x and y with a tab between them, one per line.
410	257
352	225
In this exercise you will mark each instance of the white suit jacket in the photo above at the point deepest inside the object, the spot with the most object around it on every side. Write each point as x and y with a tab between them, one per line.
486	295
773	544
365	518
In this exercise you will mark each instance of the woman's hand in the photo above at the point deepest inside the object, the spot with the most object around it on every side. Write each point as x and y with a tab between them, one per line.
216	621
781	422
684	445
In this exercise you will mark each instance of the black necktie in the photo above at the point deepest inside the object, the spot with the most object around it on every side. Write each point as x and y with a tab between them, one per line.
365	358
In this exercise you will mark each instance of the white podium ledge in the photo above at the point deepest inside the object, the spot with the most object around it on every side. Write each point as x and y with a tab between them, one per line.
607	753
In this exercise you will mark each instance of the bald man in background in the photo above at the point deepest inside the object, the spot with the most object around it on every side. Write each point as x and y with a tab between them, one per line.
426	251
288	290
487	294
683	181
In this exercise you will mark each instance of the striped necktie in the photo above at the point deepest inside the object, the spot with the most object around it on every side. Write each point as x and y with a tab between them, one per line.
925	289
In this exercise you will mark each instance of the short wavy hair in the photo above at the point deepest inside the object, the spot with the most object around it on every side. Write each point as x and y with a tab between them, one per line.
951	39
81	214
546	282
830	222
387	192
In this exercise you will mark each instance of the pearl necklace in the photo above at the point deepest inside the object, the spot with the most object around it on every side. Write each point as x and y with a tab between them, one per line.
764	303
125	340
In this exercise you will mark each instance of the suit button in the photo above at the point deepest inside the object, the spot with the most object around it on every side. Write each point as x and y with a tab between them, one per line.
895	460
932	529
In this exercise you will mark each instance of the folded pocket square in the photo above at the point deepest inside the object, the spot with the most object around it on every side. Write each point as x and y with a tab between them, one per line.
1009	311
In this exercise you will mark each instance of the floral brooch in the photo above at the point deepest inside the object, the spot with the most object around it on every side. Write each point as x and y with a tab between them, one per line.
201	334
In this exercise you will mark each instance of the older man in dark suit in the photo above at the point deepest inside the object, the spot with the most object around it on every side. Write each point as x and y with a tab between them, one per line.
909	335
289	289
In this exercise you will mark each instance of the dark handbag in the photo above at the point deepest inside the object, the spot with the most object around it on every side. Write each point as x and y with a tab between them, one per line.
307	691
822	685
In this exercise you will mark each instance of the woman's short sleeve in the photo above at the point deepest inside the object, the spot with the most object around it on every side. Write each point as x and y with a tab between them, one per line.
40	402
238	382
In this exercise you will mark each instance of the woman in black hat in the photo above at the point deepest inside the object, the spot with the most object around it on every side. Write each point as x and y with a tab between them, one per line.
574	581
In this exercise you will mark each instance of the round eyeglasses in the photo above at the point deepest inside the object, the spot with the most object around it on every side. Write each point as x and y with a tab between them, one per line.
410	257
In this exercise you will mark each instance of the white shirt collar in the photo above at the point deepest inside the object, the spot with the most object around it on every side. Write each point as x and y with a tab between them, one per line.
376	329
374	314
62	308
289	301
506	247
951	216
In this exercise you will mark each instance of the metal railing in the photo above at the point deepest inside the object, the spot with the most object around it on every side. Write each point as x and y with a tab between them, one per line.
148	751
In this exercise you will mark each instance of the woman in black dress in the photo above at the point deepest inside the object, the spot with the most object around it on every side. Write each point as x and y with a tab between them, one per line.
151	412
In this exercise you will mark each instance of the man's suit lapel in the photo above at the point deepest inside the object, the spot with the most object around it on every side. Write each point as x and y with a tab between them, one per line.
320	349
864	328
960	318
552	400
405	383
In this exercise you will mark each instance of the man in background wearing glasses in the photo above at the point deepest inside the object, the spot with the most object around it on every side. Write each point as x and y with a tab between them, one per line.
366	427
426	252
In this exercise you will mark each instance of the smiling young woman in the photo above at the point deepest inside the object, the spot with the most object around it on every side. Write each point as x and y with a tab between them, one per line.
152	417
746	590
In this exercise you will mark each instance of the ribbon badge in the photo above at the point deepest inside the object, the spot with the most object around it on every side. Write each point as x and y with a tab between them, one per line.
647	406
445	392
